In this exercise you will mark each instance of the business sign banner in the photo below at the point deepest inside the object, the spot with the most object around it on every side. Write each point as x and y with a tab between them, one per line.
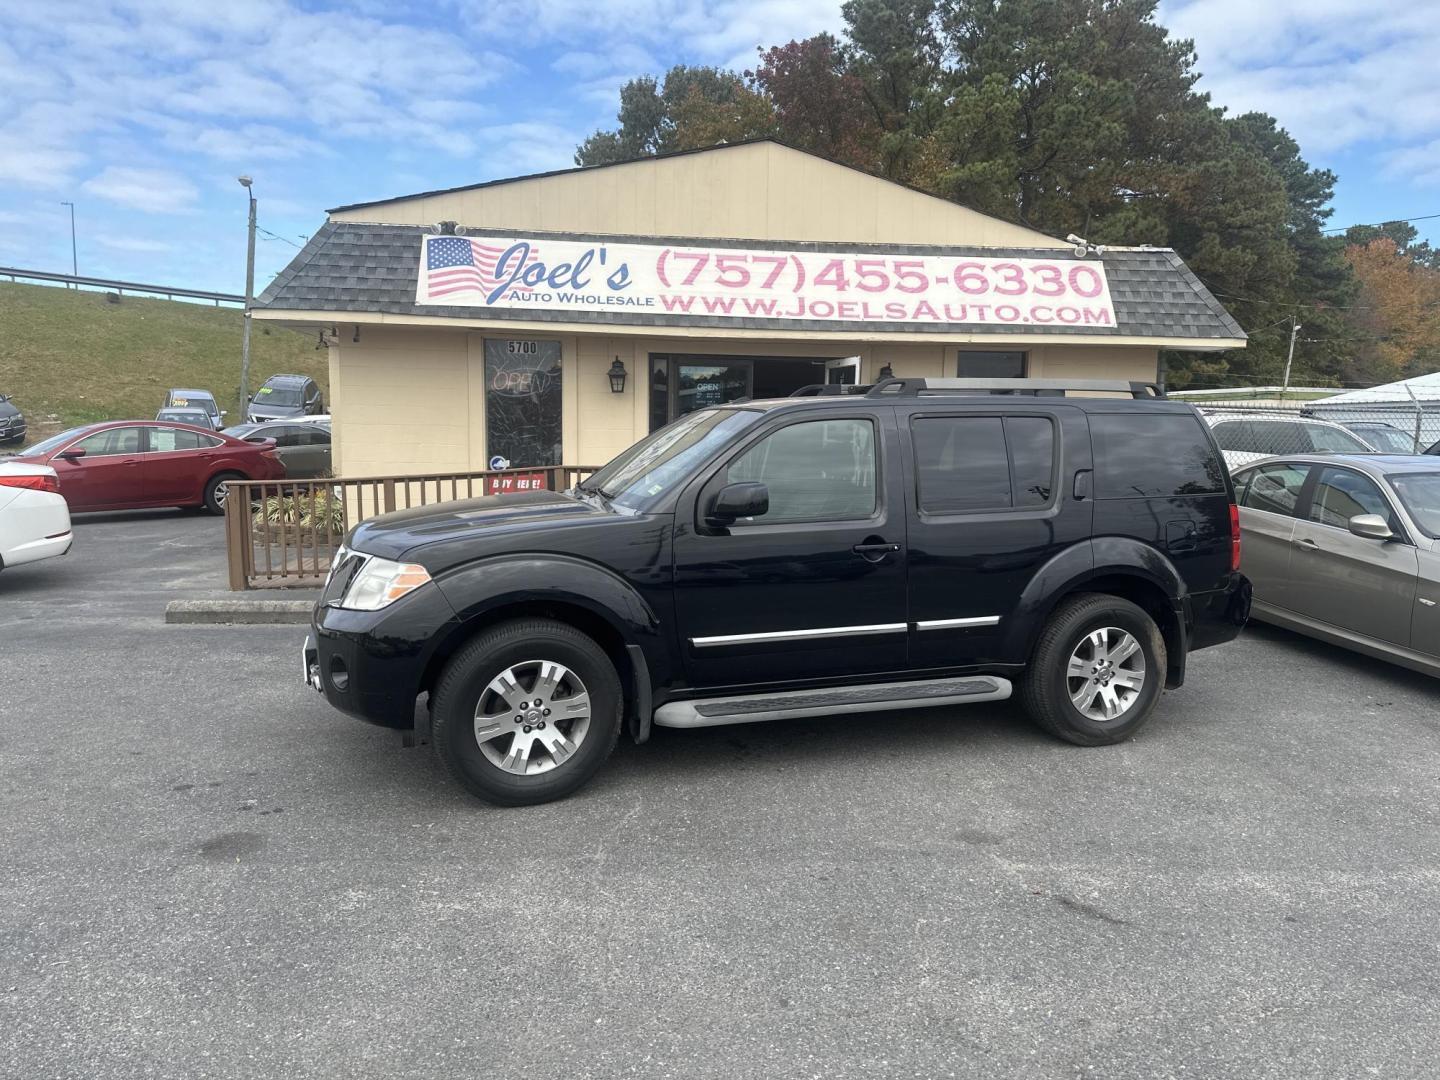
541	274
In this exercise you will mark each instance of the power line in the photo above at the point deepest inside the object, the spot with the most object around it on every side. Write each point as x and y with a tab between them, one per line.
277	236
1380	224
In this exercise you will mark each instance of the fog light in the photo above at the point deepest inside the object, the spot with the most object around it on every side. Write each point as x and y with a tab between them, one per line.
339	674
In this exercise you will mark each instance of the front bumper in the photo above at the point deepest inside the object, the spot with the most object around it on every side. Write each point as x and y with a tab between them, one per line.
372	664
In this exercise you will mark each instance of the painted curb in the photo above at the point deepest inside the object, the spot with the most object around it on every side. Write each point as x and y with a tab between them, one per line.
233	612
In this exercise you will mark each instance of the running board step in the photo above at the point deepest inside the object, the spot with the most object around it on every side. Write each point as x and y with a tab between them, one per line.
874	697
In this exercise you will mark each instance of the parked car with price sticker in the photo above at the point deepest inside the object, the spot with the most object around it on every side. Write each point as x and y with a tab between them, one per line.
283	397
753	562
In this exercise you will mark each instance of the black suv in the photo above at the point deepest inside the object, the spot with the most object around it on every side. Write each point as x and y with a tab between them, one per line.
921	543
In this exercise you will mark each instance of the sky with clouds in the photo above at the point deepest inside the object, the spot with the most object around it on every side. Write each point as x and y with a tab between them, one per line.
142	113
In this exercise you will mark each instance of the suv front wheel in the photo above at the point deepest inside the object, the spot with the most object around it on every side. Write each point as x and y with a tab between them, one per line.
526	712
1096	672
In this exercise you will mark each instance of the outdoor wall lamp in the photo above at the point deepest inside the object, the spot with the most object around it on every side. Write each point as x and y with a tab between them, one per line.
617	375
886	372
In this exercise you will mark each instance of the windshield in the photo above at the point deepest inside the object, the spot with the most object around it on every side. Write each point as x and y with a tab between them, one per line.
279	396
184	397
650	468
1420	492
52	443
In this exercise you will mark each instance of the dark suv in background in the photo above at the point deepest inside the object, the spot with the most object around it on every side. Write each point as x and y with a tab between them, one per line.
12	422
923	543
282	397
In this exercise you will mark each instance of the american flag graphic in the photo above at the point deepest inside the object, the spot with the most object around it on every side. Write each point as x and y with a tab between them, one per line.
458	264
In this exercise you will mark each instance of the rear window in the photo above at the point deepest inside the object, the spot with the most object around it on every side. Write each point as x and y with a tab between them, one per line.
1146	455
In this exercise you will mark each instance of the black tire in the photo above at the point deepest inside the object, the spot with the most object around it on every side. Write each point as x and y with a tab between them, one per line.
212	500
458	696
1046	687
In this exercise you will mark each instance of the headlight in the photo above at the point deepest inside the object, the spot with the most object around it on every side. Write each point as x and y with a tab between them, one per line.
381	582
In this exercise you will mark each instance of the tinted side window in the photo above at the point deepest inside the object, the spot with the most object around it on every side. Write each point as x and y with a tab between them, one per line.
1234	435
1031	440
1277	437
1274	488
1150	454
960	463
315	436
983	462
1341	494
291	435
819	470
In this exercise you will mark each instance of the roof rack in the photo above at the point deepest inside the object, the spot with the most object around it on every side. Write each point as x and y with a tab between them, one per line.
1024	387
828	390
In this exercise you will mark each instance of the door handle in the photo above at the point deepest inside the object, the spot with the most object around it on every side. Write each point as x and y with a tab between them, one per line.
875	549
1304	543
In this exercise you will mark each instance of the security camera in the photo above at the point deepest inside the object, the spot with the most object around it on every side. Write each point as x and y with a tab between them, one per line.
1078	241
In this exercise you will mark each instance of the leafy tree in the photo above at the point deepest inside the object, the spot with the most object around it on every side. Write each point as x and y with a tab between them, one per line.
1398	317
820	105
692	107
1404	236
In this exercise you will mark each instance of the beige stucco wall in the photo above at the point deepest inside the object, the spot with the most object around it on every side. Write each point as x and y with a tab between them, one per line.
408	401
754	191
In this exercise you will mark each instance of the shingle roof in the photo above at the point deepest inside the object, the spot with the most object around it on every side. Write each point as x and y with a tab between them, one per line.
355	266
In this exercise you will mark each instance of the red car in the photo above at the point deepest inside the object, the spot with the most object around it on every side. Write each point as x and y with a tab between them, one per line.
129	464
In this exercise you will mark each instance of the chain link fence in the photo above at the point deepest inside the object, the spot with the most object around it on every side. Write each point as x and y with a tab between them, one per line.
1253	423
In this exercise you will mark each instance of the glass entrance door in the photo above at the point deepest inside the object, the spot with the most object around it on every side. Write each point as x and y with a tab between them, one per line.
700	386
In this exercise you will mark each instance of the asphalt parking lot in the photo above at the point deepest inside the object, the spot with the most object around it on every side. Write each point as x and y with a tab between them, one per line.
211	873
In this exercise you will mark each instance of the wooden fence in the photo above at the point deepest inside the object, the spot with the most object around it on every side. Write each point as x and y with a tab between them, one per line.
283	533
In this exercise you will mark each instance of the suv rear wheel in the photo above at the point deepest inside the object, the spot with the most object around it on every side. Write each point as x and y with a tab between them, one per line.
1096	672
526	712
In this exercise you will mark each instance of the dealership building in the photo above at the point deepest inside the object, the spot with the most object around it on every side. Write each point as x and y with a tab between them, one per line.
555	319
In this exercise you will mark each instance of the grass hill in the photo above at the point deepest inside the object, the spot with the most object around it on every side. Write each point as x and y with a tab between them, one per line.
70	357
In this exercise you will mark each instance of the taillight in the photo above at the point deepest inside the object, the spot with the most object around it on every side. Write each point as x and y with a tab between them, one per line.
32	483
1234	537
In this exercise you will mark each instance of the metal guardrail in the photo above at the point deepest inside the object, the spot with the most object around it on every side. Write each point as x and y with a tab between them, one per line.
170	291
283	533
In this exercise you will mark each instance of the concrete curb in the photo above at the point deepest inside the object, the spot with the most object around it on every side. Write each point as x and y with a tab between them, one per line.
231	612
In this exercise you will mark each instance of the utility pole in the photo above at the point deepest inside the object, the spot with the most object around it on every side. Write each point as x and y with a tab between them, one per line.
74	258
1294	330
245	182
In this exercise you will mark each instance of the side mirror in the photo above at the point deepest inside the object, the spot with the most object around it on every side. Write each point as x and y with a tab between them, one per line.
249	397
738	501
75	453
223	414
1371	526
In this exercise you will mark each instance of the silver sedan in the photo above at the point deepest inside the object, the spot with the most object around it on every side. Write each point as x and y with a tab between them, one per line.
1347	549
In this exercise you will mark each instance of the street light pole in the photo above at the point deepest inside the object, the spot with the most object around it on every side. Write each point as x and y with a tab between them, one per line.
74	258
245	182
1294	330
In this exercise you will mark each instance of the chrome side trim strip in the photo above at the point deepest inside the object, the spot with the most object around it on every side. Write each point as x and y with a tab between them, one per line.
799	635
956	624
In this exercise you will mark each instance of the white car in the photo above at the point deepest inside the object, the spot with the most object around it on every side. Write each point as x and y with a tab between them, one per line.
1249	436
34	517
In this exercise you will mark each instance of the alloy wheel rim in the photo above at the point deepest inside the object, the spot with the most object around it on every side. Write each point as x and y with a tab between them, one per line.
1106	674
221	490
532	717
